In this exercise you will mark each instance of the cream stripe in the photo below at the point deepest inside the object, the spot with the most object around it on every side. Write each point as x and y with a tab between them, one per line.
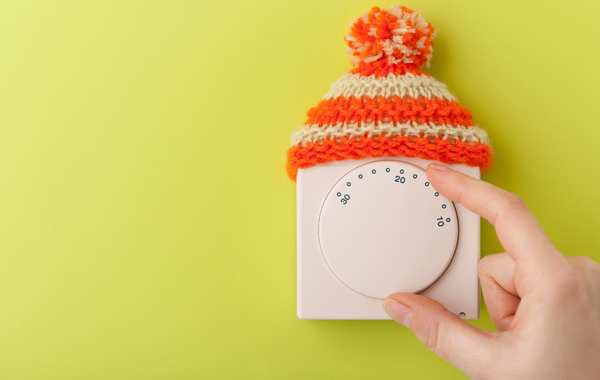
402	85
314	133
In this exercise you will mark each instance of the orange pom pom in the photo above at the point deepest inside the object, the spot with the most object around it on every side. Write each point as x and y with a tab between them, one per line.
398	34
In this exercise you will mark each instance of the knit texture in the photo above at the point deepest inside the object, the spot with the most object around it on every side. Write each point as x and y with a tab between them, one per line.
387	106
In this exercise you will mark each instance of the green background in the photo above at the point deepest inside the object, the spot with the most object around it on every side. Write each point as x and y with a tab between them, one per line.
147	225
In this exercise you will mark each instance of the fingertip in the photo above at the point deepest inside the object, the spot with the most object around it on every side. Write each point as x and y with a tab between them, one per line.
439	174
398	312
439	167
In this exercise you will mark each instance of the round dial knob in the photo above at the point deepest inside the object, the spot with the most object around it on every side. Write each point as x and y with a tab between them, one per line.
384	229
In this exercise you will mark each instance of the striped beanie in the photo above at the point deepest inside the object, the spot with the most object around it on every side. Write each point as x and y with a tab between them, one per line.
387	106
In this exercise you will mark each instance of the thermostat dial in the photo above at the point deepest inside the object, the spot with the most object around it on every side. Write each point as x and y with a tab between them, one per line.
384	229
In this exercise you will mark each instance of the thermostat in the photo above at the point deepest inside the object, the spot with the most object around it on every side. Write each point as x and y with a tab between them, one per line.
373	227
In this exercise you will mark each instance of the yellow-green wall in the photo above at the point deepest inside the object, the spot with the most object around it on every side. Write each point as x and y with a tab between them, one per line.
147	226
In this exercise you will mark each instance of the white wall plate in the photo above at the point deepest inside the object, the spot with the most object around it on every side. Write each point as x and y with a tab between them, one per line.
373	227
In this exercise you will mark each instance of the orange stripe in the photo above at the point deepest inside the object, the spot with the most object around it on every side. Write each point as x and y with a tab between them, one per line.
389	110
441	150
382	68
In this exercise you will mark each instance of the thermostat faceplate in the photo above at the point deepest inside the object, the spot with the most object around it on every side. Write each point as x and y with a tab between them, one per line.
386	238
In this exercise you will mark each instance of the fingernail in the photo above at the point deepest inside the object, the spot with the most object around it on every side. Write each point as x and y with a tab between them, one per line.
398	312
439	167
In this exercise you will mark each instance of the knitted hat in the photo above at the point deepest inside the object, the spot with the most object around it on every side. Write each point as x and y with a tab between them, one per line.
387	106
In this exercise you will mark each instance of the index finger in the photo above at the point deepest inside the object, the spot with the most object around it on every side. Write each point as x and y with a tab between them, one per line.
518	230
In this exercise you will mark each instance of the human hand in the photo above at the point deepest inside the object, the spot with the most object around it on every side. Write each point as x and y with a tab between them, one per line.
545	306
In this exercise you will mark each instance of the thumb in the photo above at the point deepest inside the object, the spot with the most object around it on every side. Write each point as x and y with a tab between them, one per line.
465	346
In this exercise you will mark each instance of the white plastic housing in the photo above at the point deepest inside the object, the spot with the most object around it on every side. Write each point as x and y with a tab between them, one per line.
366	231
